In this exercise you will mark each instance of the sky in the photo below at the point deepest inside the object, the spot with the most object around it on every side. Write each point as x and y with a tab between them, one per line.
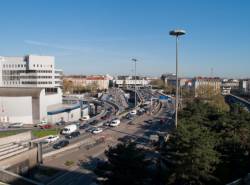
101	36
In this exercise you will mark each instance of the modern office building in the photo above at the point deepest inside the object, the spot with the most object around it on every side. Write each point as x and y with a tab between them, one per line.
29	87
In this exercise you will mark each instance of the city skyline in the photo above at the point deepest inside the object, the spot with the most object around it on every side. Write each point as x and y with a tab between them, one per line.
101	37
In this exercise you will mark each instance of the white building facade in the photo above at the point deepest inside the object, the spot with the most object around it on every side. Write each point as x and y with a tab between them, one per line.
28	86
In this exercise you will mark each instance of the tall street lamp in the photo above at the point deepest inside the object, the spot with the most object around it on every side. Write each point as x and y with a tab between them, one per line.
135	60
177	33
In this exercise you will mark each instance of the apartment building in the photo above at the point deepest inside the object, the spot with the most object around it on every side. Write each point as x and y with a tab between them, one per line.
100	81
121	81
244	86
206	86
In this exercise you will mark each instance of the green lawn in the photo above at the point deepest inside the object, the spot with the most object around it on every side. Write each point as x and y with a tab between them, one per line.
9	133
45	132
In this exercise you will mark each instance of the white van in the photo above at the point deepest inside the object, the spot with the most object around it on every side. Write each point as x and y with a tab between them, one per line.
69	129
85	118
115	123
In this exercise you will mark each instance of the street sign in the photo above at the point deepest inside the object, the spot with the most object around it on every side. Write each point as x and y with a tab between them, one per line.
163	97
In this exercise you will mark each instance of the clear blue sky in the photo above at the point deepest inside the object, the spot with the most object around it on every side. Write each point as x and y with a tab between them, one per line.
101	36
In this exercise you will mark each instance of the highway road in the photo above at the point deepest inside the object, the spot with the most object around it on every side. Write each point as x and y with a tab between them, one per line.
81	175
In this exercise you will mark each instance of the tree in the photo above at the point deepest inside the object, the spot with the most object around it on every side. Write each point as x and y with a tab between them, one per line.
67	86
189	155
126	165
158	84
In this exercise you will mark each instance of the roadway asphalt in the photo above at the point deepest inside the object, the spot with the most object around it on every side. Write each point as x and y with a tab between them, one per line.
77	175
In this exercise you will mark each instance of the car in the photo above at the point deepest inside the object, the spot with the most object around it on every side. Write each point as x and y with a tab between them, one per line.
90	129
150	121
46	126
60	123
61	144
51	139
107	123
16	125
72	135
69	129
43	122
84	126
115	123
97	130
94	122
85	118
133	112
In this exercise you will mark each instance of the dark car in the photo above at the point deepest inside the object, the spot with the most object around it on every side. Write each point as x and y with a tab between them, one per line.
84	126
72	135
93	122
61	144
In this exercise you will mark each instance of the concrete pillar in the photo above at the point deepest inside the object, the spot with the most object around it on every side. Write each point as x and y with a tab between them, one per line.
39	153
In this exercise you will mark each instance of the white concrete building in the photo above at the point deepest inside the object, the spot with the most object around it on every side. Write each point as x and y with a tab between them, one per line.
29	89
121	81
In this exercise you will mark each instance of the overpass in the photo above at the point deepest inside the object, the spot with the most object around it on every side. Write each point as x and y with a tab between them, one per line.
230	98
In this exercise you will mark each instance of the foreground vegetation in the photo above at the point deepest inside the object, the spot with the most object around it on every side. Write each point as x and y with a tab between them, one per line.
210	147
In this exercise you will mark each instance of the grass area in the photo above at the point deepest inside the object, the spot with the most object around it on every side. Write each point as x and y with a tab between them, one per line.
9	133
69	163
45	132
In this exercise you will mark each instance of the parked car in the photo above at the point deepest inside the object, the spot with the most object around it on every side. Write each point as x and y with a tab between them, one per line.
16	125
97	130
84	118
52	139
115	123
46	126
61	144
69	129
73	134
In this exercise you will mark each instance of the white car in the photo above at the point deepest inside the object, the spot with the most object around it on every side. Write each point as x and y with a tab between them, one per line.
115	123
85	118
97	130
43	122
16	125
52	139
133	112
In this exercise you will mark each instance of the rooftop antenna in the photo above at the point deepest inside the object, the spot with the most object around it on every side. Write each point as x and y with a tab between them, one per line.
212	72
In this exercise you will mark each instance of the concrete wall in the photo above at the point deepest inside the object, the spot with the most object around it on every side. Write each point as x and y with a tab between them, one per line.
46	100
12	109
22	137
22	162
73	115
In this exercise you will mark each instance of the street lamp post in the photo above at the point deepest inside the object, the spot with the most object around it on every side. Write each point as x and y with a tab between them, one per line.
176	34
135	60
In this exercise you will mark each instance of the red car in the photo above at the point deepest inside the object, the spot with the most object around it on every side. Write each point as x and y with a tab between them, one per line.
47	126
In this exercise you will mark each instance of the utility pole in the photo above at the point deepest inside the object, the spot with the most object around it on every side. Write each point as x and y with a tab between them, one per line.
176	34
135	60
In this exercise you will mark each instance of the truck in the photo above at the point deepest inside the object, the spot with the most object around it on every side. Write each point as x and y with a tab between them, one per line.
69	129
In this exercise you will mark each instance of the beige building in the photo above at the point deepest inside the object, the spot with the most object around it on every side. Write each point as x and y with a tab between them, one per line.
100	81
206	86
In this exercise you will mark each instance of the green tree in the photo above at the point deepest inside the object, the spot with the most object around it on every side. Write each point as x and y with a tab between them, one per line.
126	165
